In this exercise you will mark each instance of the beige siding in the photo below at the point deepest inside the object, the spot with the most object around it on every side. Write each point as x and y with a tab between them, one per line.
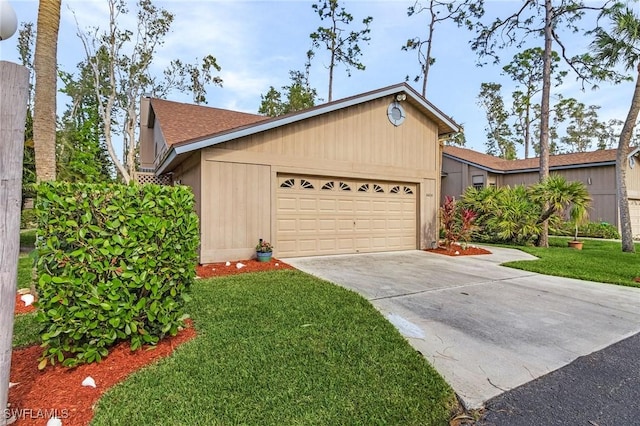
236	210
358	140
633	181
354	143
429	212
188	173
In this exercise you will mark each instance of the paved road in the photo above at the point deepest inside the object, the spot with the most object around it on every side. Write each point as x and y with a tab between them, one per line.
486	328
600	389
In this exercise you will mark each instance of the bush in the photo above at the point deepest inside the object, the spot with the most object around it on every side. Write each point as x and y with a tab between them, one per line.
515	215
589	229
505	214
457	223
114	264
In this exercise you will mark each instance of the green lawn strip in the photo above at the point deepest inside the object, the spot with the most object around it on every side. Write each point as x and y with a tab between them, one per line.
25	330
25	264
283	348
599	261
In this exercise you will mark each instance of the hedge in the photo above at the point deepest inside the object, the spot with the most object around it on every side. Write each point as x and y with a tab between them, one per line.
114	264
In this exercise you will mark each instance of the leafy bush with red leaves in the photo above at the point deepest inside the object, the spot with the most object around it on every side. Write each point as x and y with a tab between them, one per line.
457	223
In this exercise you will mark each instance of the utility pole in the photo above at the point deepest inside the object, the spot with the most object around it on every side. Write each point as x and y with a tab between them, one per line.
14	87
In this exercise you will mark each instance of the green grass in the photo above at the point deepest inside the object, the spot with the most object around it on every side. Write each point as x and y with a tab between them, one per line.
279	348
599	260
28	238
24	271
25	326
25	330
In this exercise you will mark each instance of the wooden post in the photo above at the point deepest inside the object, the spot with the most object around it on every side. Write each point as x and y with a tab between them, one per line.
14	87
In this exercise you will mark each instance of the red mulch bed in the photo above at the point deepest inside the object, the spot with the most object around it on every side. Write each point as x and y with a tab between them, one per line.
457	250
57	390
20	306
221	269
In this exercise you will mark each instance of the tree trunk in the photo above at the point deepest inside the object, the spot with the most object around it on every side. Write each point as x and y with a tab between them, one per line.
427	59
543	240
45	67
14	93
621	169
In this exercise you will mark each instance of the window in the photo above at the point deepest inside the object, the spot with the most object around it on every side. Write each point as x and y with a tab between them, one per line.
395	190
364	188
328	186
289	183
408	190
306	184
477	181
344	186
377	188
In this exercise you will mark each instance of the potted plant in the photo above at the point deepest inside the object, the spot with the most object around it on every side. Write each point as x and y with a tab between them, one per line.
578	216
264	251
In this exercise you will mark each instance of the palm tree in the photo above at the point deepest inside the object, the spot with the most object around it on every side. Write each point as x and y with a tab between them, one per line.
622	46
44	117
561	196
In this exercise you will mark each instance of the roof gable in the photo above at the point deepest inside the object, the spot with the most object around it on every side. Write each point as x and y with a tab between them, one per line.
233	125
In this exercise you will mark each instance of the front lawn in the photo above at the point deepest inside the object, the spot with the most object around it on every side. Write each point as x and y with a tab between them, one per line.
278	348
599	260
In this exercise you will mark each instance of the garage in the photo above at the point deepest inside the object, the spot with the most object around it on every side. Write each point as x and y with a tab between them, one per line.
357	175
332	215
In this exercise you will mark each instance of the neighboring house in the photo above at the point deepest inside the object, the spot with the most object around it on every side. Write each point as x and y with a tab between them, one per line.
463	167
361	174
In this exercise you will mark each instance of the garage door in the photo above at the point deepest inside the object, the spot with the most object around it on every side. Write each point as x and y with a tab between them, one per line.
316	216
634	213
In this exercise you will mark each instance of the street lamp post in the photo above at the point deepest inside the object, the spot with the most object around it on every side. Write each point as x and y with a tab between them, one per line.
14	90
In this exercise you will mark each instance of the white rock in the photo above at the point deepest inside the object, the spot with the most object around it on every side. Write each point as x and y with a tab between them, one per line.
54	421
27	299
228	263
89	382
457	253
277	264
11	384
240	265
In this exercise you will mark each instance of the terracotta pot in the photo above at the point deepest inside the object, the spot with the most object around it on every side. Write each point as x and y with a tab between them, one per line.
575	244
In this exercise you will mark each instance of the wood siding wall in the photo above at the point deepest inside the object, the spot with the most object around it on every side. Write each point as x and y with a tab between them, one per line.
355	142
633	181
236	210
599	181
189	173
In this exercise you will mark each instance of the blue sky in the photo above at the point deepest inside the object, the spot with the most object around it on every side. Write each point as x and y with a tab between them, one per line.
258	42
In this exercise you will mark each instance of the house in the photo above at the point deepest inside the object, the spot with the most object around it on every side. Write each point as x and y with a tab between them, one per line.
463	167
356	175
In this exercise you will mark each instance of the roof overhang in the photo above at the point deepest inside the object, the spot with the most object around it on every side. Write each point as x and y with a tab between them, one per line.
178	152
531	169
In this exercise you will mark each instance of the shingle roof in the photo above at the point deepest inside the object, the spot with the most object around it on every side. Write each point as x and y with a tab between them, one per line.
185	133
499	165
182	123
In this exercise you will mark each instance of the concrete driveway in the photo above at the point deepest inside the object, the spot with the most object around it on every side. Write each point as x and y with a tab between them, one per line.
486	328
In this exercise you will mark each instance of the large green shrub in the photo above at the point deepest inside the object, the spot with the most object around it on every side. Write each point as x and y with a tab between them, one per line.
114	264
515	215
